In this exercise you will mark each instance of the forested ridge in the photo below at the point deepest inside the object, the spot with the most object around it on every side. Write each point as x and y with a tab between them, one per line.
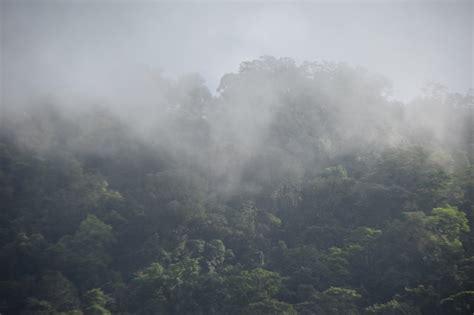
296	189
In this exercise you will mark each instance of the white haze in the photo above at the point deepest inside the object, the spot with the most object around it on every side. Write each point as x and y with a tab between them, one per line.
90	51
134	58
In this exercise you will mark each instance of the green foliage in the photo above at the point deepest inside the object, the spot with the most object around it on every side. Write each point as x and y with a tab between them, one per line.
94	302
57	290
269	307
85	255
448	223
252	286
333	201
342	294
392	307
35	306
170	290
459	303
94	233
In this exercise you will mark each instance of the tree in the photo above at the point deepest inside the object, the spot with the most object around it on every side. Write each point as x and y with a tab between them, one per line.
94	302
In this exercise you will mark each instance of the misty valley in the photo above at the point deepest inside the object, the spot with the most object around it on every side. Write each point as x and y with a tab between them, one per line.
296	188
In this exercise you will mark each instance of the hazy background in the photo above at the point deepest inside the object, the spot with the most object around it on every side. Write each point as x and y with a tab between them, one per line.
89	50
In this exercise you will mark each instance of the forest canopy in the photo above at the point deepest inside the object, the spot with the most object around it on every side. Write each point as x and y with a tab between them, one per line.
295	189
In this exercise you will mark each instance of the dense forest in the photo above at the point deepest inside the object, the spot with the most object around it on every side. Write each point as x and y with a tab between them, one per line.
295	189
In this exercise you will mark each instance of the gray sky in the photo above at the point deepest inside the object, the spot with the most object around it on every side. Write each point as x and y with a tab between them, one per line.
80	46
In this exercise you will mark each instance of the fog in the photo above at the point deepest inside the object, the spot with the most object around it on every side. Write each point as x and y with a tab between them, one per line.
198	79
88	49
236	157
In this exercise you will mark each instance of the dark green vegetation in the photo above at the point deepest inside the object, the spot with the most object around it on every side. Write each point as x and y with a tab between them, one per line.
297	190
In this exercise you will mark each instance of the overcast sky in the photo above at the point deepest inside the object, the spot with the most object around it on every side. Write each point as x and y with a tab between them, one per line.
78	45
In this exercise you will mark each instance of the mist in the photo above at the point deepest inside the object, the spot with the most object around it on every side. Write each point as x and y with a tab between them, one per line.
142	61
55	48
237	157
